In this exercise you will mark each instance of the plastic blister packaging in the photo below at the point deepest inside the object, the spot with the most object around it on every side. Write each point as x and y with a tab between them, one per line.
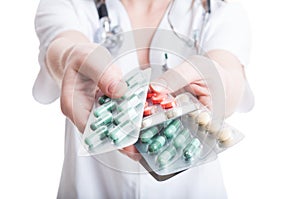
115	123
160	108
182	142
174	146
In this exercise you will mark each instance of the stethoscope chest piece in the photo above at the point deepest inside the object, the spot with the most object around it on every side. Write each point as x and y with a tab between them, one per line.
106	35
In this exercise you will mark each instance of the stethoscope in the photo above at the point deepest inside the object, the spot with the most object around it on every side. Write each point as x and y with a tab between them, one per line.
110	38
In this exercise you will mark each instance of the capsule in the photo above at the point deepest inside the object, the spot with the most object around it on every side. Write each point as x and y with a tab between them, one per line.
132	102
95	138
148	111
136	78
157	99
103	99
172	128
167	104
148	134
110	106
105	119
150	94
191	149
120	132
126	115
157	144
166	156
181	138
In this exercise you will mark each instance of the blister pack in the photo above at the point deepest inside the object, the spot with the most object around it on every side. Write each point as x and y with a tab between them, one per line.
116	123
185	140
160	108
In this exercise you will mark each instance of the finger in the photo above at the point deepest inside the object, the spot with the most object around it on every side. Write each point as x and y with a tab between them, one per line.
197	90
98	66
206	101
77	97
112	83
131	152
181	75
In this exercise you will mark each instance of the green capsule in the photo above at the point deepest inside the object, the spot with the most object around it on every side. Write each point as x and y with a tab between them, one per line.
120	132
166	156
95	138
105	119
103	131
191	149
132	102
172	128
126	115
181	138
103	99
148	134
104	108
136	78
157	144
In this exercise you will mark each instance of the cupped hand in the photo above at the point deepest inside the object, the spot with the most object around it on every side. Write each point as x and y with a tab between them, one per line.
88	68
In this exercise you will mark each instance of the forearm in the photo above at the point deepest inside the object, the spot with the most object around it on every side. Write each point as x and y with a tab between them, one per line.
59	50
232	74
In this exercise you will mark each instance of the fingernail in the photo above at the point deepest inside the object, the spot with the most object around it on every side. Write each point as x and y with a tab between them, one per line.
117	89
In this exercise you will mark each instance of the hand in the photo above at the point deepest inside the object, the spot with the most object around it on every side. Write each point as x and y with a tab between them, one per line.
184	76
131	152
87	69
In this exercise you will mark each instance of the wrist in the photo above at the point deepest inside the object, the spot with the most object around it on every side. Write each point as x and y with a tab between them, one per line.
56	55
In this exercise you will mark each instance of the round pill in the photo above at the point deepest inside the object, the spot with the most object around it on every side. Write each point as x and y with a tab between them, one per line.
147	122
172	128
225	134
148	134
227	143
203	118
167	104
195	114
166	156
183	98
177	111
158	98
181	138
157	144
213	129
191	149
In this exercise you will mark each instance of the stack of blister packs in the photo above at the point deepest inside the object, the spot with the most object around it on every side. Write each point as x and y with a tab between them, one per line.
172	133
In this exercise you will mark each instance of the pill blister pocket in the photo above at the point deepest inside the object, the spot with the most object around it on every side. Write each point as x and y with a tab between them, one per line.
175	146
187	140
116	123
163	107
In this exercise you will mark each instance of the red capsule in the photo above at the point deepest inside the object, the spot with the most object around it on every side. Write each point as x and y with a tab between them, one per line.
148	111
168	103
158	99
150	94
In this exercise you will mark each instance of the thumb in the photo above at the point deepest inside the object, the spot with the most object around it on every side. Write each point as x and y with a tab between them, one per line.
180	76
99	67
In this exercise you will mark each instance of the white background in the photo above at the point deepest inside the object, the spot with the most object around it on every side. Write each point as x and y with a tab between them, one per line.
264	165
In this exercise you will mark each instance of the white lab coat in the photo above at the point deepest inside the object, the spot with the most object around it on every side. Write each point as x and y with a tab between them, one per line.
113	175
